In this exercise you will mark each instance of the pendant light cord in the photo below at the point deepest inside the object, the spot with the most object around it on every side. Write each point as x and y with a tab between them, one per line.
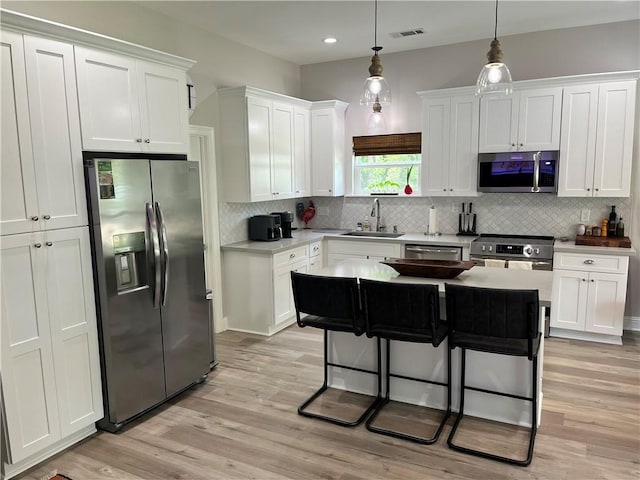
495	31
375	24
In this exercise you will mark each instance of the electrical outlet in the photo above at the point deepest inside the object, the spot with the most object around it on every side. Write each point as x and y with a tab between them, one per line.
585	215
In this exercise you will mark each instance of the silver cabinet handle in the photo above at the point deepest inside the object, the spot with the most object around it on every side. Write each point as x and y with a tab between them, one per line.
138	140
589	262
155	241
35	218
49	244
38	245
47	217
146	140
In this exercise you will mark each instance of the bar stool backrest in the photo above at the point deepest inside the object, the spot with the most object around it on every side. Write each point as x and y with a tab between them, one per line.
332	298
493	313
401	311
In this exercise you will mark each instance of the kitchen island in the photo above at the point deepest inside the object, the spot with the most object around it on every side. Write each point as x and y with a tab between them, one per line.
484	370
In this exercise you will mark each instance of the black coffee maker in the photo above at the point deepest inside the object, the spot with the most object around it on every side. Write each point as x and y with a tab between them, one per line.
265	228
286	218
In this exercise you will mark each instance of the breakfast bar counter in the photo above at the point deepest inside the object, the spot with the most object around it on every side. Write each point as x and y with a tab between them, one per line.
489	371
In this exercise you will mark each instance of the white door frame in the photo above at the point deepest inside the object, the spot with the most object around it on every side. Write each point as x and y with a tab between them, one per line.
202	150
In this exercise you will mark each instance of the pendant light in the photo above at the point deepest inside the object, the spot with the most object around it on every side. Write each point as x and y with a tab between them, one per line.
376	90
495	77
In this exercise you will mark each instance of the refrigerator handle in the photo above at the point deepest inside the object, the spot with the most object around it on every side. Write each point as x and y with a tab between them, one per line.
165	253
153	230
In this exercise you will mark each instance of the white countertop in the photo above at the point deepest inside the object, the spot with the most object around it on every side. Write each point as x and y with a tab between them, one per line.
305	237
571	247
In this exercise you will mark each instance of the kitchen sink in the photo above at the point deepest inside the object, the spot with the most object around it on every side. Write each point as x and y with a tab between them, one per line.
373	234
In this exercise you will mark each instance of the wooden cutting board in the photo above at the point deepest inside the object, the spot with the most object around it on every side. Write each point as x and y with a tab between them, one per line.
622	242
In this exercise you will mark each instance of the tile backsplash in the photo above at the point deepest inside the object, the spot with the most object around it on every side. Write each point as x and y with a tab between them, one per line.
518	214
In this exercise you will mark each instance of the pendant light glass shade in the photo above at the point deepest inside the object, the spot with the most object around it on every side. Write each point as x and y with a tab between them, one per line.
376	124
495	77
376	89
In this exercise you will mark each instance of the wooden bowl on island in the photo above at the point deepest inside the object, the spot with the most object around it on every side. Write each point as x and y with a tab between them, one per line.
416	267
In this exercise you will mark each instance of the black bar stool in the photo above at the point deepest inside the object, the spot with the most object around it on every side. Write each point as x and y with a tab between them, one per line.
408	313
501	321
332	304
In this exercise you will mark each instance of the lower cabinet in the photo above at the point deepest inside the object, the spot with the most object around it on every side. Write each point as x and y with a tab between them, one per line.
50	361
588	296
315	257
338	250
257	288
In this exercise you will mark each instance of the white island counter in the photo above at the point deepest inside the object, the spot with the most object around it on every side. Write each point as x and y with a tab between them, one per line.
484	370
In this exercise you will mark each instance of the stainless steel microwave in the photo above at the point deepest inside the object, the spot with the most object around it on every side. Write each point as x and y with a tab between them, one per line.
518	172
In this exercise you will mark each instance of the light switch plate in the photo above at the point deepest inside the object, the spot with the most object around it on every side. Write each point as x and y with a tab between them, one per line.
585	215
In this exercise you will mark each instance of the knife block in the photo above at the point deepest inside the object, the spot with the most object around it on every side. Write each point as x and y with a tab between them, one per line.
467	224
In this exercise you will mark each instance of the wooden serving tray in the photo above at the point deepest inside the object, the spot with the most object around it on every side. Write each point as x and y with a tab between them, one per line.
415	267
622	242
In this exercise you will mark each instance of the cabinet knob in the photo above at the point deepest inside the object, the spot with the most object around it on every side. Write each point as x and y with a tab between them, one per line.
47	217
38	245
297	191
588	189
49	244
596	189
522	144
584	279
330	190
146	140
138	140
513	144
35	218
592	280
451	189
444	189
589	262
293	255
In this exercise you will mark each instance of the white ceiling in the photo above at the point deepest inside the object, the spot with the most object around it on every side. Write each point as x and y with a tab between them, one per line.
293	30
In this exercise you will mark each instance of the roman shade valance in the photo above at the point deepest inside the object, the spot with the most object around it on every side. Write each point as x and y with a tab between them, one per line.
399	143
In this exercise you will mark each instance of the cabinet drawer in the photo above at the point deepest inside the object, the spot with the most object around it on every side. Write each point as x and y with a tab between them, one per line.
315	249
290	256
591	263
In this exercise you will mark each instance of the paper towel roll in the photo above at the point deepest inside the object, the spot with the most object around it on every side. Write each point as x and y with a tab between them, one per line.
433	221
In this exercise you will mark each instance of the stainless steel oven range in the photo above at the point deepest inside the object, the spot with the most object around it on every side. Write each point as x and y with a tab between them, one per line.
528	248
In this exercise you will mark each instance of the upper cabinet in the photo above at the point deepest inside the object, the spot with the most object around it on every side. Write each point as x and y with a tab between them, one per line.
449	143
597	139
42	186
302	151
131	105
528	120
328	148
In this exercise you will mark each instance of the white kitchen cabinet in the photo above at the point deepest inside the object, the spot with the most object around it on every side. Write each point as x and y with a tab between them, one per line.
588	297
50	360
259	145
338	250
257	293
131	105
42	178
315	257
528	120
449	144
302	151
328	148
596	144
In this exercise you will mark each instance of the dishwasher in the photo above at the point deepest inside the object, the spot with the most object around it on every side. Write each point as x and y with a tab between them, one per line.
433	252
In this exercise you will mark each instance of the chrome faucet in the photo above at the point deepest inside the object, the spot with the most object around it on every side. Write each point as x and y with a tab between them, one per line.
375	212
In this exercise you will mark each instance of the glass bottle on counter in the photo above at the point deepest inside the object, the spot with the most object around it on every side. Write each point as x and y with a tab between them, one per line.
620	228
612	221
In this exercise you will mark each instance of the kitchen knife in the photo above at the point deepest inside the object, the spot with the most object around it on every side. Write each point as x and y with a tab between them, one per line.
469	217
461	220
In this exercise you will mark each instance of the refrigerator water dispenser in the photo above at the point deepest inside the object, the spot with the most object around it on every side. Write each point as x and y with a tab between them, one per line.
130	258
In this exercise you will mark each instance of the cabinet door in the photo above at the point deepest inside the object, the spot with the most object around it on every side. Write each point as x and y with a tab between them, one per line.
569	299
578	141
164	113
55	131
28	378
282	150
463	149
435	146
614	139
284	306
605	303
539	119
18	197
498	124
302	152
74	336
322	161
259	121
108	99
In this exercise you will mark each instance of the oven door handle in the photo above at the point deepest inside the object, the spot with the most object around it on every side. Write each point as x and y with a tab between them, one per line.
536	172
431	250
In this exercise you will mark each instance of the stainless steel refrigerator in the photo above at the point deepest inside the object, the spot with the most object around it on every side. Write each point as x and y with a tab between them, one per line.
148	259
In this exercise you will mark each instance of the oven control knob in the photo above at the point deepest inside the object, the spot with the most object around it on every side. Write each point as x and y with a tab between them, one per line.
490	248
537	251
484	248
528	250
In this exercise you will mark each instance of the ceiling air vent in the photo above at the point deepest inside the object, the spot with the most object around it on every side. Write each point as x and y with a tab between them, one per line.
408	33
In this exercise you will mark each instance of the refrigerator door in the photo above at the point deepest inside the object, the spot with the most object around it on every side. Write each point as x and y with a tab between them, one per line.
185	315
129	326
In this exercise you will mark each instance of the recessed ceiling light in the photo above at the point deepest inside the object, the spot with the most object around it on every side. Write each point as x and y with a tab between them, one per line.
329	40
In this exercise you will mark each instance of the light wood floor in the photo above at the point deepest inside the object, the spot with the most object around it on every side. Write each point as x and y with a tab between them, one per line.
242	424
